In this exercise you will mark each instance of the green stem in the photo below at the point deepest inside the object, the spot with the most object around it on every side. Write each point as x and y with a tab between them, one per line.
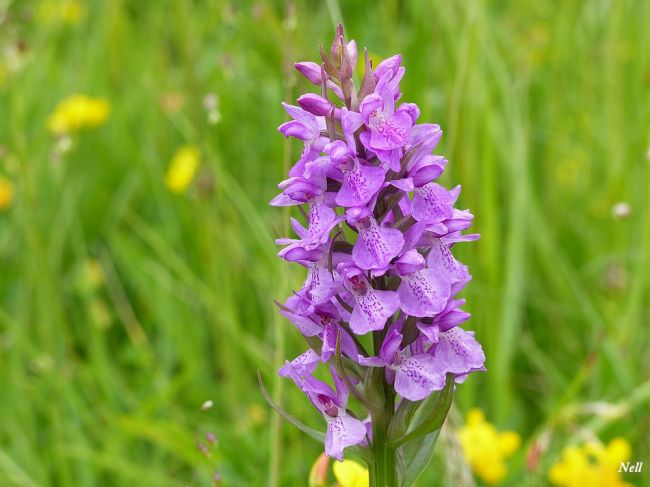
384	470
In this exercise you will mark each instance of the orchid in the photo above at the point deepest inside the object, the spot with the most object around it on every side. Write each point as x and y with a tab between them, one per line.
377	240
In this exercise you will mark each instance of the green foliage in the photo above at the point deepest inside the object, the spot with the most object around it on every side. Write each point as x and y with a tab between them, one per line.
123	307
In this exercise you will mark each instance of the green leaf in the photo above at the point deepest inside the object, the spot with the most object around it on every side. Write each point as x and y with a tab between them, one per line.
432	421
414	457
316	435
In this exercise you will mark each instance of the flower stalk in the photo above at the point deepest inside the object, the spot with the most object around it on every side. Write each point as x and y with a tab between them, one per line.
376	238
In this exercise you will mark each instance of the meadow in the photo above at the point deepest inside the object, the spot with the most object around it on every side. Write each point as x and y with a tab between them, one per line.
126	303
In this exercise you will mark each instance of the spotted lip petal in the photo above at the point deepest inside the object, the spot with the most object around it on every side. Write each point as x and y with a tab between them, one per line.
320	284
342	431
432	203
372	310
360	183
459	351
418	376
391	133
424	293
376	246
321	221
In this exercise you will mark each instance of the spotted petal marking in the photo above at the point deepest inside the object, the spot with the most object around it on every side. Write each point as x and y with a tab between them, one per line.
376	246
424	293
418	376
342	431
432	203
459	351
372	310
321	221
360	183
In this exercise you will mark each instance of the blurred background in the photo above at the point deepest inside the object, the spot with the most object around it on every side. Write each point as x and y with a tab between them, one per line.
138	151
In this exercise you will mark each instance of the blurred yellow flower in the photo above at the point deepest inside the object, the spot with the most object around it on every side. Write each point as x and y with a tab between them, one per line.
67	11
182	168
78	112
71	11
485	448
350	474
6	193
591	464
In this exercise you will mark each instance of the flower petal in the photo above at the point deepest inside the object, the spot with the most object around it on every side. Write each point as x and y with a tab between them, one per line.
424	293
418	376
342	431
432	203
372	310
360	183
376	246
459	352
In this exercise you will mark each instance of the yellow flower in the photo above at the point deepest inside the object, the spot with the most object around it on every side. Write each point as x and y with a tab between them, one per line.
591	464
350	474
182	168
485	448
71	11
78	112
66	11
6	193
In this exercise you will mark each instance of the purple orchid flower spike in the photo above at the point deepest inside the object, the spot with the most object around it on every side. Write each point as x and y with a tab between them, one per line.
372	307
415	376
376	238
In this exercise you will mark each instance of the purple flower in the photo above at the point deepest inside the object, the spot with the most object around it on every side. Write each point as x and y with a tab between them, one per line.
459	351
448	318
360	181
376	246
322	320
415	376
432	203
388	129
343	430
372	307
422	292
312	72
441	259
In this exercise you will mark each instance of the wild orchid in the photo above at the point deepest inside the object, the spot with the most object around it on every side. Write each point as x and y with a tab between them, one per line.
378	307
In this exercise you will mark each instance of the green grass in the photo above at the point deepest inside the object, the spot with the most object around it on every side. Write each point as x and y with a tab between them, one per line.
546	112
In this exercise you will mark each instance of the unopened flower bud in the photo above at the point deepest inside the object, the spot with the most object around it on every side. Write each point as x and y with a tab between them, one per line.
309	70
315	104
